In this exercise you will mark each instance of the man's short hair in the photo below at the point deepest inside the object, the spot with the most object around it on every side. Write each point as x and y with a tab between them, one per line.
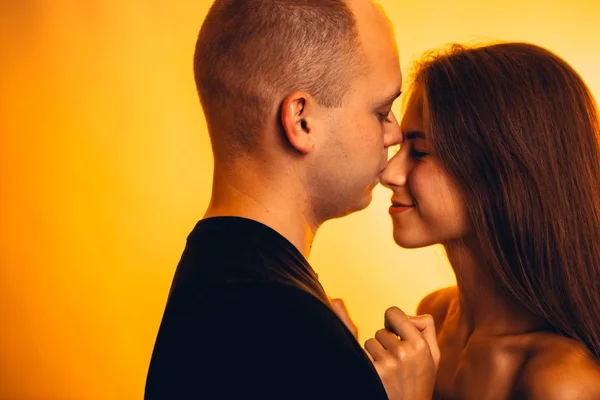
250	54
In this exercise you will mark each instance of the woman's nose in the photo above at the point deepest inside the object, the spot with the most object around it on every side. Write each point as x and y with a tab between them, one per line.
395	174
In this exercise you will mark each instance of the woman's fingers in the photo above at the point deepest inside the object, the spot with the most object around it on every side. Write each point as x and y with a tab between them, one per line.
387	339
375	349
426	325
398	322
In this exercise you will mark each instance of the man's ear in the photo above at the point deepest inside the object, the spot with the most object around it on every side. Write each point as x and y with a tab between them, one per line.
297	119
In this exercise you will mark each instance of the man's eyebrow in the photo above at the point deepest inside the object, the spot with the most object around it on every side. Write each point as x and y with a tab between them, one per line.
390	99
411	135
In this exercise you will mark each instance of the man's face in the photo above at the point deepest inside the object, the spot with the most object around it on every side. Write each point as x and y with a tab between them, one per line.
359	133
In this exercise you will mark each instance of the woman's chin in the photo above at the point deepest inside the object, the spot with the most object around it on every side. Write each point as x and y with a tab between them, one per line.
408	241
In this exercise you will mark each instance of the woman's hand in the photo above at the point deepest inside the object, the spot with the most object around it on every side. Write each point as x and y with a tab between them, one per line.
406	355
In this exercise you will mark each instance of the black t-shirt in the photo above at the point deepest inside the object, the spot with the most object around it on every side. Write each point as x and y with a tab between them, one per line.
247	318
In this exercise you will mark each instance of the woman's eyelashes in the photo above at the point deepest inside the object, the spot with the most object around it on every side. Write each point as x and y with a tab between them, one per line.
413	152
417	137
418	154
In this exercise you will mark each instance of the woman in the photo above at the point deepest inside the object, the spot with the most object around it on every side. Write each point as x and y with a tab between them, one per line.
500	163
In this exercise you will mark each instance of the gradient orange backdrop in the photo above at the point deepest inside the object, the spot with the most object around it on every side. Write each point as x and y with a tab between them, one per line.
105	166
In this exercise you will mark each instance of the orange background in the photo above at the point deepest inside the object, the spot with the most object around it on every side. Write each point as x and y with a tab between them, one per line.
105	166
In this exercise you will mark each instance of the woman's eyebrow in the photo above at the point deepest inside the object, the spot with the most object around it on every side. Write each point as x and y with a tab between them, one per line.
415	135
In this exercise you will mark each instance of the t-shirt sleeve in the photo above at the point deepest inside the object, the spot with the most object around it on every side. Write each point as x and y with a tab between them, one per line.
261	341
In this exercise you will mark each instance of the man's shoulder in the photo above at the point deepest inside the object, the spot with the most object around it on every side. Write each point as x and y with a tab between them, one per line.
271	294
273	340
269	307
560	368
274	303
437	304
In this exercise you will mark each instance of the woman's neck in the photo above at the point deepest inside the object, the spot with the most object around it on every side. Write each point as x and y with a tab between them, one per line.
483	306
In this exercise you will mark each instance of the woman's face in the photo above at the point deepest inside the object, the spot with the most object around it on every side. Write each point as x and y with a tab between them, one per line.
427	203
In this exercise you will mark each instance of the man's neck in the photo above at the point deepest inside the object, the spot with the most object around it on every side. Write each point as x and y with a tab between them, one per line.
267	202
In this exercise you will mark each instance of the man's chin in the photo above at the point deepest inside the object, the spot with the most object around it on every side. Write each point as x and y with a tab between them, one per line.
359	206
362	203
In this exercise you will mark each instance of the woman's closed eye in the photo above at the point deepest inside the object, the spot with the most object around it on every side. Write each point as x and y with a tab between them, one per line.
418	154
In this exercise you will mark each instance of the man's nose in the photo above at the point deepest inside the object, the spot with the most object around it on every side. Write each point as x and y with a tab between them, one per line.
393	135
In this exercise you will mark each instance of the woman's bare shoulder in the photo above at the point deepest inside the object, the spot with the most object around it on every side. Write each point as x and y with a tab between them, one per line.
437	304
559	368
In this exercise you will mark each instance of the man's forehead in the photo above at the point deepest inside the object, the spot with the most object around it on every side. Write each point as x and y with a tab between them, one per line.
369	14
378	41
386	78
382	12
362	5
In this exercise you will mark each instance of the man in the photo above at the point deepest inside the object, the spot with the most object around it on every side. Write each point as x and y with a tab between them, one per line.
297	95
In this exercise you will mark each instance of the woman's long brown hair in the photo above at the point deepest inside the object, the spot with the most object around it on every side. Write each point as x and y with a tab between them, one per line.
518	128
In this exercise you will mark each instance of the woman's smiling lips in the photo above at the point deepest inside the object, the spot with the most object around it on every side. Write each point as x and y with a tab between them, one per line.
399	207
